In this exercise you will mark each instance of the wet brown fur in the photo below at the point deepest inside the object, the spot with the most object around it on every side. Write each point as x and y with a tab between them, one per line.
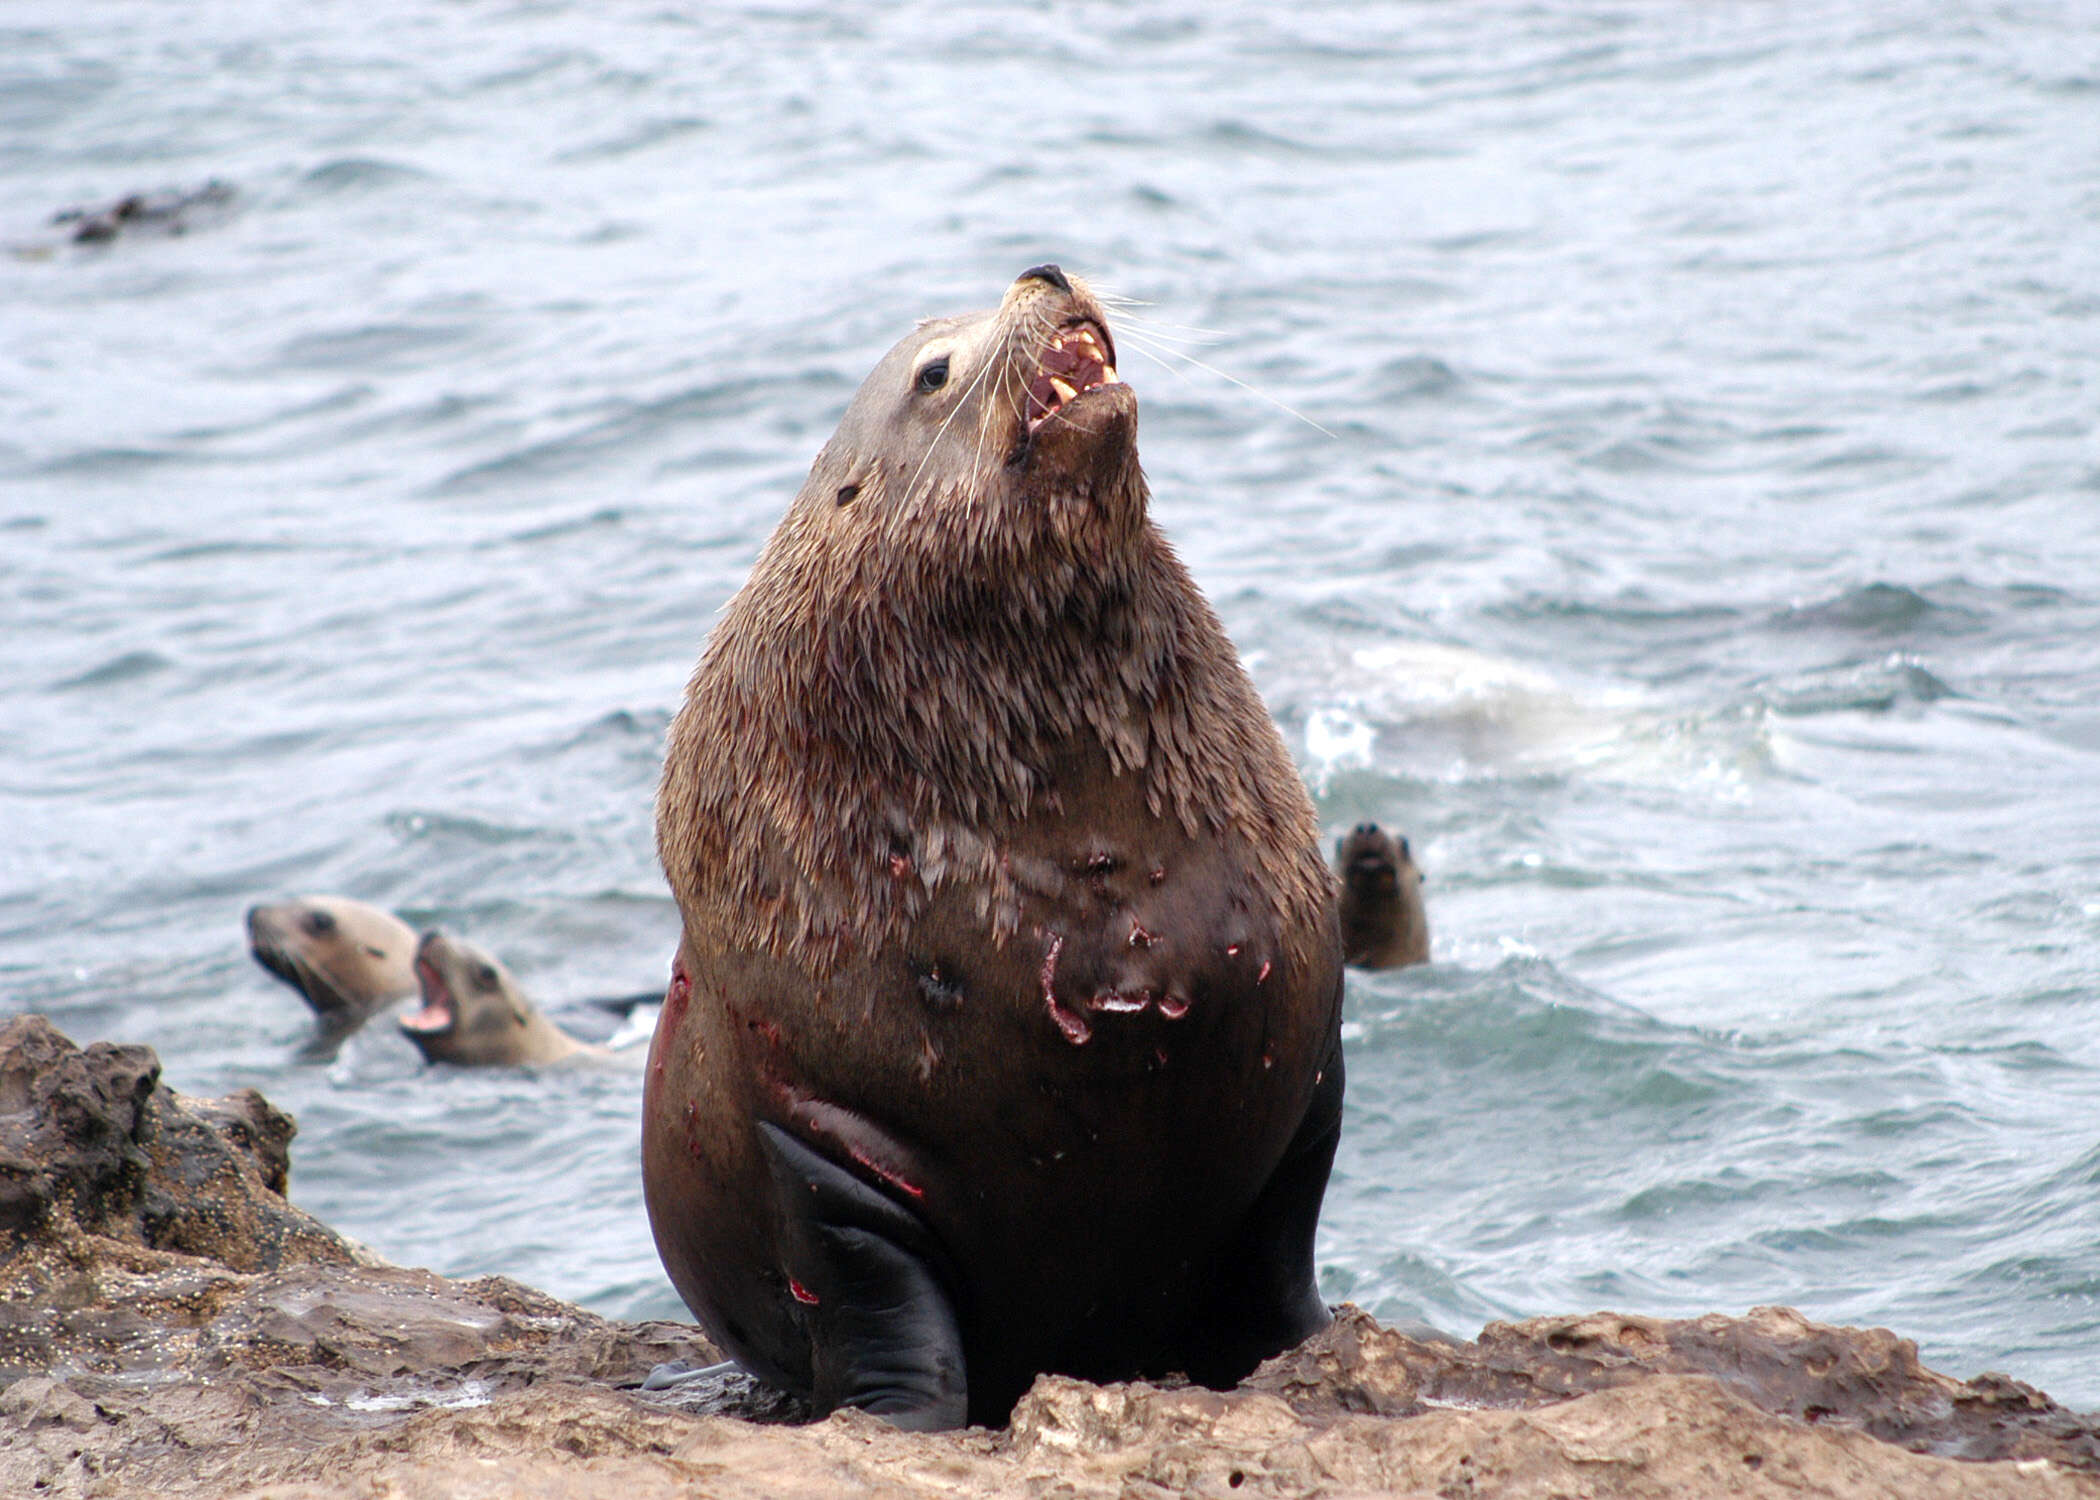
838	703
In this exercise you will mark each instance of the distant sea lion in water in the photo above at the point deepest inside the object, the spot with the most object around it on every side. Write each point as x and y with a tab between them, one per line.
1003	1035
475	1015
171	212
348	960
1384	924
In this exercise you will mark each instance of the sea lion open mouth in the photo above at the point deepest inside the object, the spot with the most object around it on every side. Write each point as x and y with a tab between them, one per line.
440	1012
1080	357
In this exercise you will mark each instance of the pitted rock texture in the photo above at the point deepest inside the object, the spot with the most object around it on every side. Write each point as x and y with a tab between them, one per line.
1775	1359
92	1144
170	1327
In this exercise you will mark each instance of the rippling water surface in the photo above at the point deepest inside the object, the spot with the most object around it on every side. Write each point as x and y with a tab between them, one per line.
1696	553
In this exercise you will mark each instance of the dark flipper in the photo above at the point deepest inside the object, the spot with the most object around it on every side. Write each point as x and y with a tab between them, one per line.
883	1331
1268	1295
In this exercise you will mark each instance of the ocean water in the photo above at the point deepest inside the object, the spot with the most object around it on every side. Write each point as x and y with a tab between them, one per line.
1647	452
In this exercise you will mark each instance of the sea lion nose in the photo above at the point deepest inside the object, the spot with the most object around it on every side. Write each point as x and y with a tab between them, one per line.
1048	271
1367	829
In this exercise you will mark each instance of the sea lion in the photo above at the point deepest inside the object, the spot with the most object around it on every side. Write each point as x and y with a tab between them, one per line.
174	211
1384	924
475	1015
349	960
1004	1031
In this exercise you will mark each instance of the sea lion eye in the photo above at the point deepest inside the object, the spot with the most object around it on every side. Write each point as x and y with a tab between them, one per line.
484	977
933	376
320	923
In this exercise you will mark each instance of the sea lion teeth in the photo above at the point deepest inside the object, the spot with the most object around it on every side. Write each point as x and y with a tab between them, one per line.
1064	392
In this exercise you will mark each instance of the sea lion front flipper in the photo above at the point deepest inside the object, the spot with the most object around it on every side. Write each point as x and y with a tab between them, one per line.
1268	1298
884	1336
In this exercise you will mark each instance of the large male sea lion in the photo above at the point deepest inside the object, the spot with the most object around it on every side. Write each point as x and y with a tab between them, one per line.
1003	1035
1384	923
475	1015
347	960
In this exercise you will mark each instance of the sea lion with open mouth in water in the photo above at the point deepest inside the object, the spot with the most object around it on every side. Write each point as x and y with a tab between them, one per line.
1384	923
1004	1032
348	960
475	1015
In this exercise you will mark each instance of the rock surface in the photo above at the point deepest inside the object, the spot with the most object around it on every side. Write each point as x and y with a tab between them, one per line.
170	1326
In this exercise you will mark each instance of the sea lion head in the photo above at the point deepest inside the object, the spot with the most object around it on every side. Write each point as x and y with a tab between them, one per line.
348	960
1384	923
997	440
1371	861
473	1012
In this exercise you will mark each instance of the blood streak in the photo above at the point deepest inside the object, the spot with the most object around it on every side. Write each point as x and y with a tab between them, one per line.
859	1137
886	1172
801	1293
1072	1024
679	992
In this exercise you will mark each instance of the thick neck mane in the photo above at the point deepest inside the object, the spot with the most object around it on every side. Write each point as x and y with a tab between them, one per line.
839	716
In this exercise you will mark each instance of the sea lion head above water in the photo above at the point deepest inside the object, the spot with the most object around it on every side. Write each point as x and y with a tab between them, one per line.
348	960
1004	1031
473	1012
1384	923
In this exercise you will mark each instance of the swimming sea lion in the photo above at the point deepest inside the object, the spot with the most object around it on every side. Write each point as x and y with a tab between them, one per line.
171	212
475	1015
1003	1035
347	959
1384	924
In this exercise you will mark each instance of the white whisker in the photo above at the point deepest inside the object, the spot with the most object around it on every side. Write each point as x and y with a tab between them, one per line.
1141	341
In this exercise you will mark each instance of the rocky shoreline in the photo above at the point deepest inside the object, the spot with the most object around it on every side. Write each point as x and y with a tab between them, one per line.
171	1326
